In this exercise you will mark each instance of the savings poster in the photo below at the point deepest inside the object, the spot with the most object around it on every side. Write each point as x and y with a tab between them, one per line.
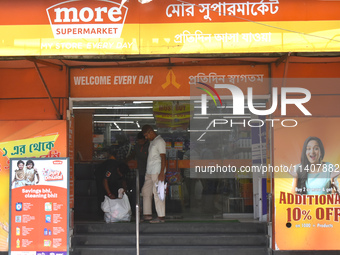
38	206
18	139
309	221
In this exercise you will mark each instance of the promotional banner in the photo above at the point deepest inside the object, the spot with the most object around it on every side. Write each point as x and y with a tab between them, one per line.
170	114
18	139
38	206
56	27
307	210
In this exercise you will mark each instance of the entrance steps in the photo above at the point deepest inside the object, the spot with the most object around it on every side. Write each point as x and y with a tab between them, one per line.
175	238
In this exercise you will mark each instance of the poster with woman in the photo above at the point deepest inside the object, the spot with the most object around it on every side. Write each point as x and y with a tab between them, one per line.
307	205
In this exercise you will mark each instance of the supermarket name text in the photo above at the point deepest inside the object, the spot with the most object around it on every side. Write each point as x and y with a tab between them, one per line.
87	19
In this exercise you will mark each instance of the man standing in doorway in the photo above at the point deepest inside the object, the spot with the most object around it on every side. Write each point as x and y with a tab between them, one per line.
155	171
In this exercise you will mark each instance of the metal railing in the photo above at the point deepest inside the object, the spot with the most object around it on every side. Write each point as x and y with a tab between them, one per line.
137	211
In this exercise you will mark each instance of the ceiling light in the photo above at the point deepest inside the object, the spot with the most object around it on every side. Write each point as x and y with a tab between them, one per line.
132	107
141	115
200	117
142	102
111	107
209	130
113	121
146	118
109	115
91	107
124	121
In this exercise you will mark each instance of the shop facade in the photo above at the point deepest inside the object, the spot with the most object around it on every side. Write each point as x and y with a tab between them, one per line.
234	89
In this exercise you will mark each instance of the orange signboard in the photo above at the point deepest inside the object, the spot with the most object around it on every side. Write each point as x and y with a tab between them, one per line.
167	27
162	81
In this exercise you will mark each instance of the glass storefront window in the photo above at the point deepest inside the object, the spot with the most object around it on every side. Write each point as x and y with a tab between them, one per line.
192	140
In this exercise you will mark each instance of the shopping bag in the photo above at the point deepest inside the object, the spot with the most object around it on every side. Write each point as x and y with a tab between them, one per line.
116	210
161	189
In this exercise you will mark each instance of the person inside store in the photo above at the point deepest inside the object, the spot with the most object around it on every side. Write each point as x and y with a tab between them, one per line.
140	154
124	148
19	175
110	177
155	171
114	178
31	174
313	176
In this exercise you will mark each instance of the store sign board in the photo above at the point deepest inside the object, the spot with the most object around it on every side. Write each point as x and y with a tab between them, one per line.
80	19
167	27
161	81
38	206
26	139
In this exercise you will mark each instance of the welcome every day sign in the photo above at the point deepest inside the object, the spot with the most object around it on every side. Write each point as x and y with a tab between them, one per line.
167	27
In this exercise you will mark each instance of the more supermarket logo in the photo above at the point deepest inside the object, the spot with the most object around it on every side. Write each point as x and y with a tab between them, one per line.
87	19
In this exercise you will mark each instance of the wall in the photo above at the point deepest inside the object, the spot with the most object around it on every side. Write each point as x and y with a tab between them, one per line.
83	145
23	95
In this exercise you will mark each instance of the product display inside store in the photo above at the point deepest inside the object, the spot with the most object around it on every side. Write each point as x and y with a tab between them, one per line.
192	140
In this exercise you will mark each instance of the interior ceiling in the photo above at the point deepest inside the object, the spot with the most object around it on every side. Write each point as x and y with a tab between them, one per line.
140	61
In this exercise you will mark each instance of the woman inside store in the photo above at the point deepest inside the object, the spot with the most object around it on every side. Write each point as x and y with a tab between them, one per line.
313	176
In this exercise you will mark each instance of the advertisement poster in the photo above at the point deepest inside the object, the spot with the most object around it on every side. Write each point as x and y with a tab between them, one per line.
38	206
172	114
307	212
19	139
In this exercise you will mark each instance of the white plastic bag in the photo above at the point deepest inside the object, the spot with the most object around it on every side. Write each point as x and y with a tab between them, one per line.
116	210
161	189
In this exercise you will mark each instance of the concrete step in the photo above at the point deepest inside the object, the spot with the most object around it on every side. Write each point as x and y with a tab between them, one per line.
171	250
172	227
199	238
177	239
